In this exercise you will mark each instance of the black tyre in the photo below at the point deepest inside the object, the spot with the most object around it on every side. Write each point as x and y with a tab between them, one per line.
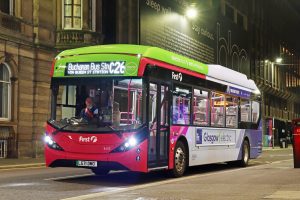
180	160
100	172
245	154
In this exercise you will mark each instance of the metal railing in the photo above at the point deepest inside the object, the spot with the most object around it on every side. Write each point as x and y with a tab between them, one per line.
3	148
73	38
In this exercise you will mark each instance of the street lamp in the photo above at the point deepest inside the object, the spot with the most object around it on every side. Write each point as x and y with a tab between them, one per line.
278	60
191	12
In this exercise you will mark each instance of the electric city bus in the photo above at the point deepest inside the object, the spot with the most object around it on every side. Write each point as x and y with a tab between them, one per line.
155	110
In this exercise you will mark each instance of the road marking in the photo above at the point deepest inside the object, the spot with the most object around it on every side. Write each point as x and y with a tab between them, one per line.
24	168
119	190
66	177
284	195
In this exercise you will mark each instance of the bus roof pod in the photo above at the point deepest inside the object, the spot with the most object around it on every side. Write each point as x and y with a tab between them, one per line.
226	76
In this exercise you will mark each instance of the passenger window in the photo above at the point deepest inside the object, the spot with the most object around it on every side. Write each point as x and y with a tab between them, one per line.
181	105
231	112
255	111
217	109
245	110
201	108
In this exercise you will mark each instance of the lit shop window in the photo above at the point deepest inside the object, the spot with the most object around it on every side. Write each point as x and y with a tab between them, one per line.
201	108
181	105
72	12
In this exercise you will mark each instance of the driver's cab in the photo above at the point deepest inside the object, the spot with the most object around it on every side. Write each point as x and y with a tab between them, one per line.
117	103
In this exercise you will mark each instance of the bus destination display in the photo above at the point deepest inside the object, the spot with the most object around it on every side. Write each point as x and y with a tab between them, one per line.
95	68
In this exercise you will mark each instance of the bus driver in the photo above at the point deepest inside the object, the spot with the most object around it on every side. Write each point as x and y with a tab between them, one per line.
91	111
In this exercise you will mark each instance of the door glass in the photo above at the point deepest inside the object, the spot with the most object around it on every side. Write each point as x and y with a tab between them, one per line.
163	122
152	121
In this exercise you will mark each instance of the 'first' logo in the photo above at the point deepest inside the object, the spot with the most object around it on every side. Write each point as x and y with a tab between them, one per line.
92	139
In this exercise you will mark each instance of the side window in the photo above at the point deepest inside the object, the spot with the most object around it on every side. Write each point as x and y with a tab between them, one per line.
255	111
201	108
217	109
181	105
231	112
245	110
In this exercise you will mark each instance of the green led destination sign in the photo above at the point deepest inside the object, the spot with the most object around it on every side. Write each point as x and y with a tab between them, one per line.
95	68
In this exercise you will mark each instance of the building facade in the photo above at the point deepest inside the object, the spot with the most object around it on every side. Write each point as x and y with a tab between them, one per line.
239	34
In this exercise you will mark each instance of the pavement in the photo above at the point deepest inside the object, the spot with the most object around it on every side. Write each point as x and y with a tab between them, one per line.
9	163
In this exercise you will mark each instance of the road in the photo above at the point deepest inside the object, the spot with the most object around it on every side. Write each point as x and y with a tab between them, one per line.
272	176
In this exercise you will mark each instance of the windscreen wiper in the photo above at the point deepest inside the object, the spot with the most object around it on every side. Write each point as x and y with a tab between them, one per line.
63	127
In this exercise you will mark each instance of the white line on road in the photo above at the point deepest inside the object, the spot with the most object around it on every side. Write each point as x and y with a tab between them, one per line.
66	177
19	168
119	190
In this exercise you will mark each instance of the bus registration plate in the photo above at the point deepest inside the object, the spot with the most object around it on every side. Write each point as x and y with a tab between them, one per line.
81	163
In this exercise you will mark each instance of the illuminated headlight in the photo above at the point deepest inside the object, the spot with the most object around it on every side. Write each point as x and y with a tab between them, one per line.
52	144
129	144
48	140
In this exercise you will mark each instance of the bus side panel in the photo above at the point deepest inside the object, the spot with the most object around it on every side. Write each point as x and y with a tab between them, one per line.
212	145
255	139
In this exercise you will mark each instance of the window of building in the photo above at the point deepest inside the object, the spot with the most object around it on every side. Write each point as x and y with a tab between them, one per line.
5	92
217	109
6	6
245	110
229	12
231	112
92	15
72	14
201	108
181	105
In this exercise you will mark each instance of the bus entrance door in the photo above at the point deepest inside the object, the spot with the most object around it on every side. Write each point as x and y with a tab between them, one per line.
158	109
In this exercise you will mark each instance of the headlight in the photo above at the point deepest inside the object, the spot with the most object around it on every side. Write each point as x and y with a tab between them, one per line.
132	141
129	144
48	140
51	143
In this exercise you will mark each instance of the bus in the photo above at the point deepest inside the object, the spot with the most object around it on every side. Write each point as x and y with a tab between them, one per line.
156	110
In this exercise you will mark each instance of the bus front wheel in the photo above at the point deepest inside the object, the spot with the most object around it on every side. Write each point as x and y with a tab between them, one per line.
180	160
100	172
